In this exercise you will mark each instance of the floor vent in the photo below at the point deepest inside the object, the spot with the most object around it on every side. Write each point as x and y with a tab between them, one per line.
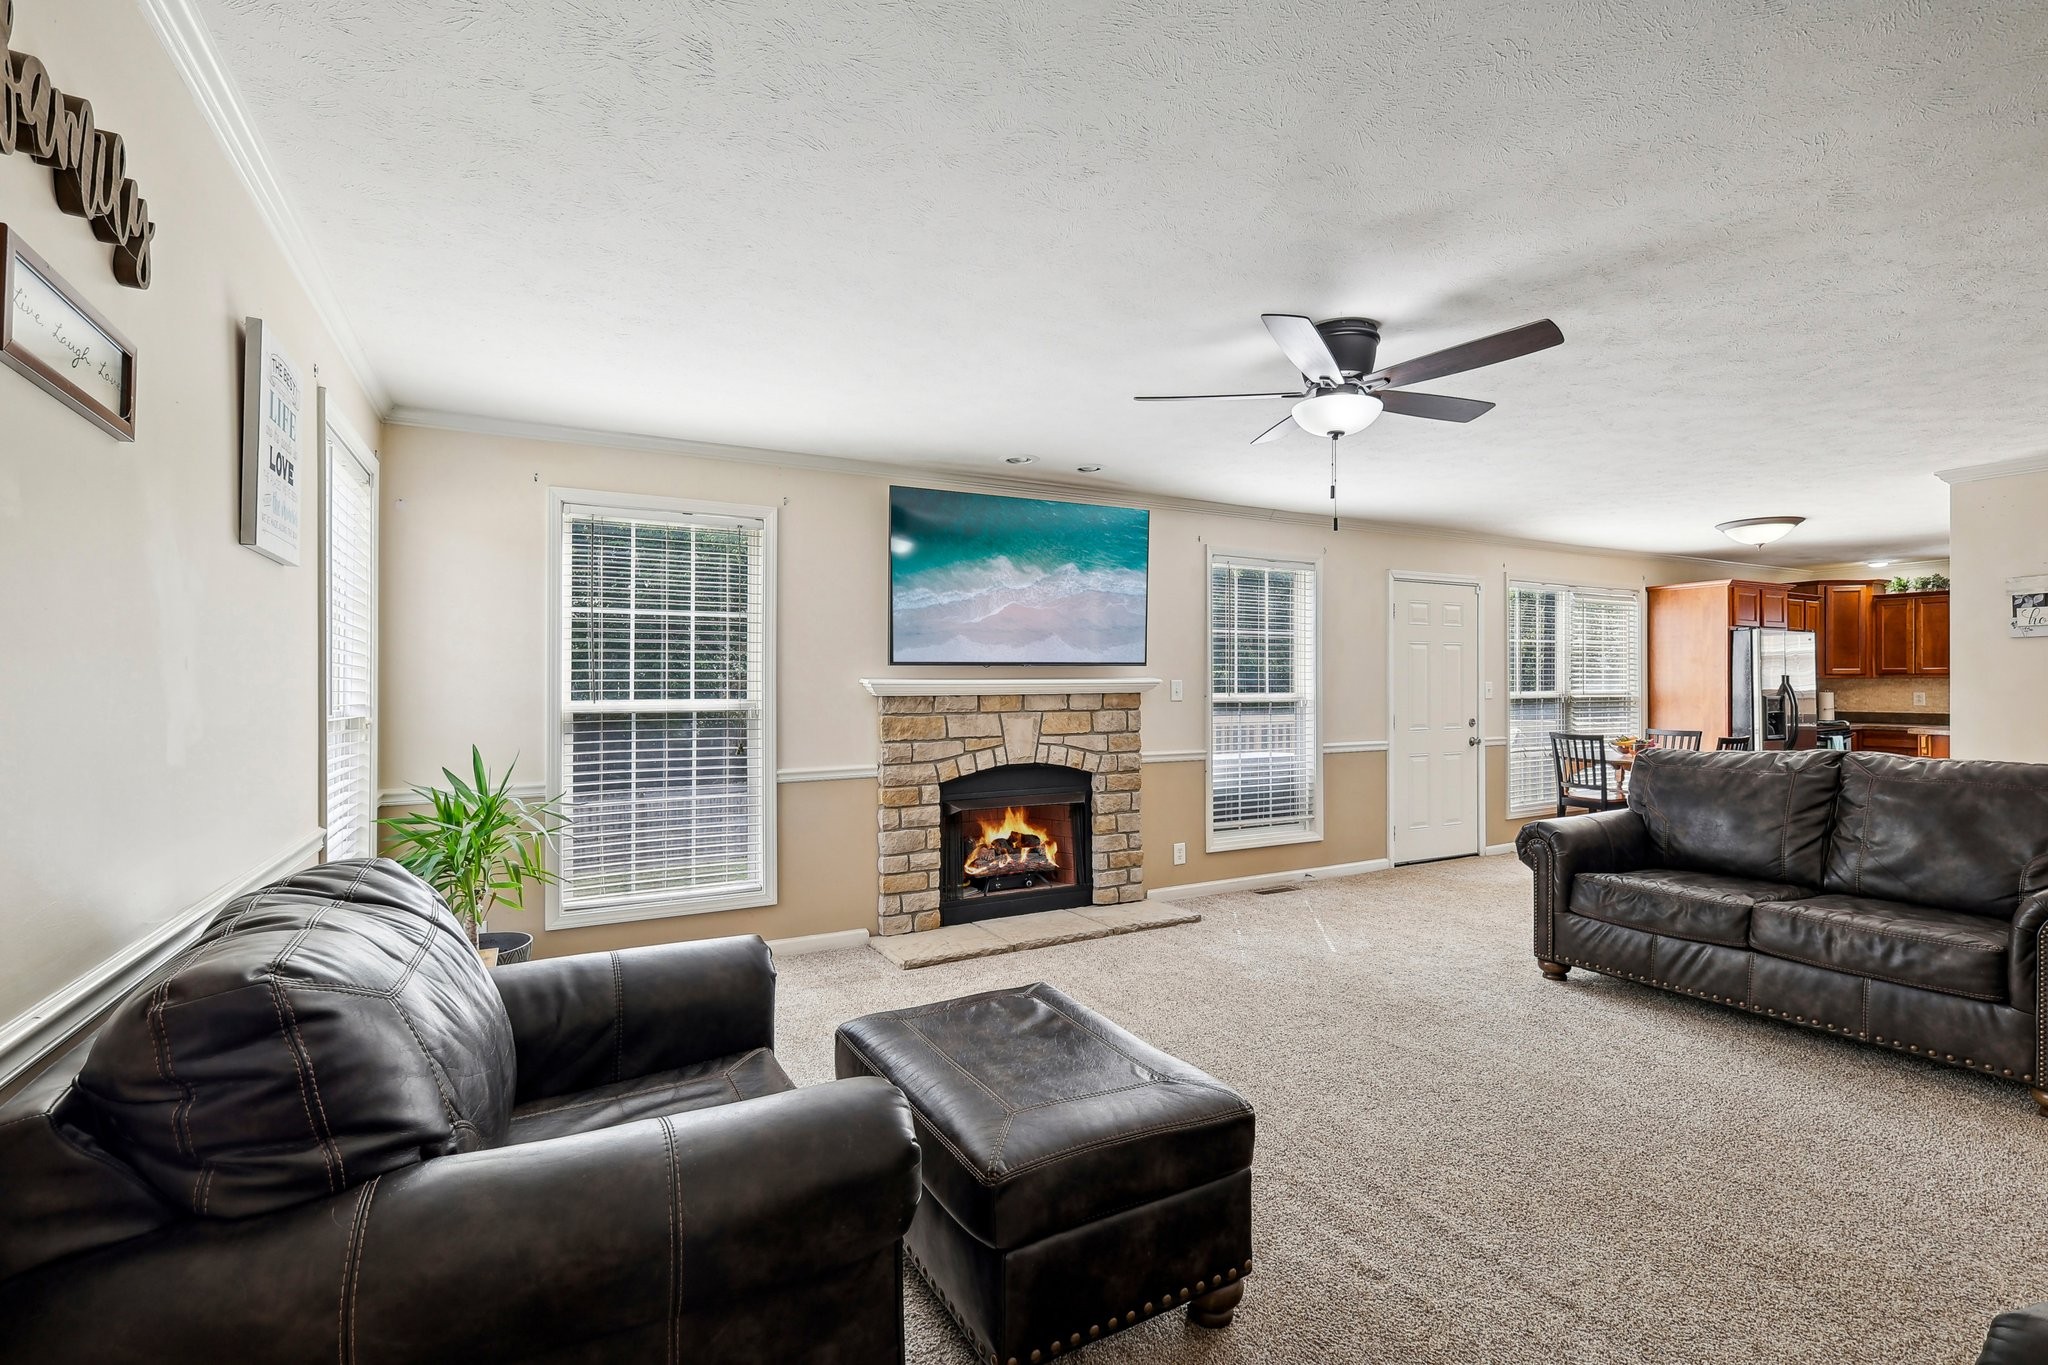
1276	890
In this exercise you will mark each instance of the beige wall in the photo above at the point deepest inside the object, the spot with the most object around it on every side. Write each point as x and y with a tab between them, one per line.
464	653
1996	682
158	682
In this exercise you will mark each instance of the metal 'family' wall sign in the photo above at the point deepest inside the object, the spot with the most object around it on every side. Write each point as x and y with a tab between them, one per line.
90	165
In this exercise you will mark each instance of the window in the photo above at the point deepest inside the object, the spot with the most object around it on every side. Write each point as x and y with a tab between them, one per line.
349	673
1265	761
663	673
1574	664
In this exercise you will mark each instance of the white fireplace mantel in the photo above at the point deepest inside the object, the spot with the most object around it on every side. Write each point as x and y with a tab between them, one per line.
997	687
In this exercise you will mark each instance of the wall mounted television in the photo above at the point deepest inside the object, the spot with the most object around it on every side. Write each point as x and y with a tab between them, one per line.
980	579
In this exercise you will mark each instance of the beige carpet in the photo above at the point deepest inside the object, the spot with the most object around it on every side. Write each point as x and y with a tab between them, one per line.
1459	1161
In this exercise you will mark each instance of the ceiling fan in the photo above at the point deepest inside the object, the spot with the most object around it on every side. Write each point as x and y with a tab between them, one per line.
1343	394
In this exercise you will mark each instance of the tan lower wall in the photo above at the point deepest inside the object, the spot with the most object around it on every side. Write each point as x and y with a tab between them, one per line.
1500	827
825	874
1354	824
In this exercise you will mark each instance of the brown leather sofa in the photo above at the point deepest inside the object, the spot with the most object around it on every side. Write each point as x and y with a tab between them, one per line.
326	1133
1901	902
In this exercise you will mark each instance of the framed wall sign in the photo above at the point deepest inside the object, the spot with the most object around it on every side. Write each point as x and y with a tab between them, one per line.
62	343
2029	597
274	415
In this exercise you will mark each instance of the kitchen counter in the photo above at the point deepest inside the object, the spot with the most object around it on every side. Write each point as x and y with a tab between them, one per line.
1912	723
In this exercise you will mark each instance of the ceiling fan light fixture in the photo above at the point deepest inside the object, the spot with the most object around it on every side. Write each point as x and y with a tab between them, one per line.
1340	411
1760	531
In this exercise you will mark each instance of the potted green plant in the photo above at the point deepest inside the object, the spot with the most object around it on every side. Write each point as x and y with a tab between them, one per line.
478	845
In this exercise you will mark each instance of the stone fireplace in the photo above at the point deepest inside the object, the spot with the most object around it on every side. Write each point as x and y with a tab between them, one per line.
1006	797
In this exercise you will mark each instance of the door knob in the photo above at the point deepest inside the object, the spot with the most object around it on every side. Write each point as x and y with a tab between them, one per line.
1472	741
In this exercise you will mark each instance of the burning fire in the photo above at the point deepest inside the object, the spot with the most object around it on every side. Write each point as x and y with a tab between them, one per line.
1012	846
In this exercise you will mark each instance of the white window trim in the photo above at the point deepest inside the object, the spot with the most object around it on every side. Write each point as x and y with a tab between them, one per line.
1635	590
765	767
333	426
1228	841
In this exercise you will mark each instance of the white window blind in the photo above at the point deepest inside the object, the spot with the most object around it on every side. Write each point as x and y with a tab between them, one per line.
1574	665
663	753
1264	755
351	683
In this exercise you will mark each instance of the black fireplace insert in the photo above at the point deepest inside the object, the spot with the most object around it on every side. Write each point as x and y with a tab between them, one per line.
1014	840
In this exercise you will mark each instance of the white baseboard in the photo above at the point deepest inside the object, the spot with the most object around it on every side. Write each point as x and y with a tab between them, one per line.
1495	850
29	1037
804	944
1190	890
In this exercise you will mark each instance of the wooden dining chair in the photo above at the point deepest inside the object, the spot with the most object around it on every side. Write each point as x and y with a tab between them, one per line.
1731	742
1677	739
1585	779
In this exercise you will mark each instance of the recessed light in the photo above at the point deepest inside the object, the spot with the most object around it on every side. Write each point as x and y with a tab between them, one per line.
1088	469
1019	459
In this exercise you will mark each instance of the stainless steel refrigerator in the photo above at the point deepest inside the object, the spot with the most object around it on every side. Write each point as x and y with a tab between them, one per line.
1774	696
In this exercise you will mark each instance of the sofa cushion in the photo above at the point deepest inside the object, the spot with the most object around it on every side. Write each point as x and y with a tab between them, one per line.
1759	815
326	1029
701	1085
1908	945
1704	907
1966	836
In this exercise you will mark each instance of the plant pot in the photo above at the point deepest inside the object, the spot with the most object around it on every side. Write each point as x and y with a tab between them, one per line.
512	946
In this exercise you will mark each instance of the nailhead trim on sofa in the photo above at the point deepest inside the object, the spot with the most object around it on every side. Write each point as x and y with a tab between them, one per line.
1928	1052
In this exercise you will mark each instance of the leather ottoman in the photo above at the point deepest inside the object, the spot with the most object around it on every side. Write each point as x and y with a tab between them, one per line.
1077	1180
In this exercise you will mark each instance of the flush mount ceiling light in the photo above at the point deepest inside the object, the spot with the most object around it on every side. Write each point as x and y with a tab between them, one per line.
1759	531
1341	411
1879	564
1088	469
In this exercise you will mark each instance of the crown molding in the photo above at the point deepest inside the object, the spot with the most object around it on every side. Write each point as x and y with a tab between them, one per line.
185	37
512	428
1997	469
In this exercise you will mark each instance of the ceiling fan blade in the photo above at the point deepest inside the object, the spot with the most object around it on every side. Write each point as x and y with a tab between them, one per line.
1304	346
1197	397
1441	407
1274	432
1516	341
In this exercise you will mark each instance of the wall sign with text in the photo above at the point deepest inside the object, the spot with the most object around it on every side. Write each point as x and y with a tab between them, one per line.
273	465
90	165
61	342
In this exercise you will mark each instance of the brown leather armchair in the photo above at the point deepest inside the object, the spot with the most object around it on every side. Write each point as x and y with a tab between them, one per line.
326	1133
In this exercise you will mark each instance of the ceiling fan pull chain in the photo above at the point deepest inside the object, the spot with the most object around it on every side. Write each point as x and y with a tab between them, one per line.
1333	481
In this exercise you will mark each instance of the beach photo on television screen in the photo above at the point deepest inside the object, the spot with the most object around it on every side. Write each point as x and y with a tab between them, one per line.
979	579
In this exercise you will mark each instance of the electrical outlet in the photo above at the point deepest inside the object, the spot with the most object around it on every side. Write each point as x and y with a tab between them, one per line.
1919	699
1176	689
1180	854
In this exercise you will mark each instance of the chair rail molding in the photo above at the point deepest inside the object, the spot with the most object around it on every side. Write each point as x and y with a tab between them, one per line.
33	1035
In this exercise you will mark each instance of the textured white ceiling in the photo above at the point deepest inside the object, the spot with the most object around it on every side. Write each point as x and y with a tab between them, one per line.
1796	248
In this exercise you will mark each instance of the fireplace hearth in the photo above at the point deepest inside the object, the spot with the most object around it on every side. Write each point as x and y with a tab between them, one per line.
1014	840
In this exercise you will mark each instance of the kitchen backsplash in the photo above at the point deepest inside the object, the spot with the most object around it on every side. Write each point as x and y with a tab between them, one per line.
1887	694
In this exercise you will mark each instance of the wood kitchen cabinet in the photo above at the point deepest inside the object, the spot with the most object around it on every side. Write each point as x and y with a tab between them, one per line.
1909	632
1844	625
1905	743
1930	637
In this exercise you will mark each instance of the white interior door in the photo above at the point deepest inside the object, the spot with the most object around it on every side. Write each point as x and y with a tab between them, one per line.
1433	729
